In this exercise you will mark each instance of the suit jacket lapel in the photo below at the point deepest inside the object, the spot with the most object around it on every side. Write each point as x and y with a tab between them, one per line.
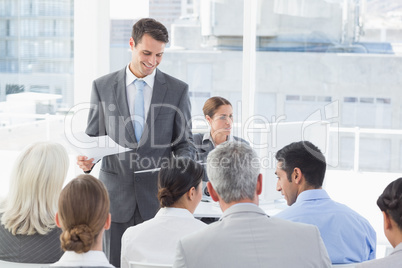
120	94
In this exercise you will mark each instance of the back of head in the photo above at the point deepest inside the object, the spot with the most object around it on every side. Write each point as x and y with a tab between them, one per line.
212	104
305	156
177	178
390	201
233	169
83	212
36	181
151	27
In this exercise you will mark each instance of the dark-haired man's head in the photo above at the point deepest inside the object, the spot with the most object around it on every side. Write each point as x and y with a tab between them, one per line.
301	166
147	44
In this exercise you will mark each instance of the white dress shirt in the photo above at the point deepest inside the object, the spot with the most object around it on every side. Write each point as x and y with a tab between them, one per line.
92	258
131	90
155	240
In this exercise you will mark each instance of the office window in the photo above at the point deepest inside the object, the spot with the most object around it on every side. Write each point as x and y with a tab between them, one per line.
309	64
375	154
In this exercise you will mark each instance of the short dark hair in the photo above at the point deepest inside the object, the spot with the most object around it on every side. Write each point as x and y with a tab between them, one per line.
177	178
390	201
305	156
152	27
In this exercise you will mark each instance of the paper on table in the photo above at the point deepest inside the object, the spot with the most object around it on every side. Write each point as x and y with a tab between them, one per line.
94	147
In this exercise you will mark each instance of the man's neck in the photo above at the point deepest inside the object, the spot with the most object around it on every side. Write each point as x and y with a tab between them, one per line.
224	206
307	187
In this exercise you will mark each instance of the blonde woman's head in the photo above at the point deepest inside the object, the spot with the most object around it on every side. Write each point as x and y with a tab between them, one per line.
36	181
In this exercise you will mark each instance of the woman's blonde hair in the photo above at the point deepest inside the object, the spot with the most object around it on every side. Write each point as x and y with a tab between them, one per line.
83	212
36	181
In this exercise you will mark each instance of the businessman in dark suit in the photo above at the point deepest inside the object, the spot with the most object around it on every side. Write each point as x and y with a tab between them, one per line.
156	132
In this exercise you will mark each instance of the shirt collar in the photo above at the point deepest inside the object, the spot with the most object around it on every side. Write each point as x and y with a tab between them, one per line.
93	256
312	195
397	248
130	77
207	137
174	212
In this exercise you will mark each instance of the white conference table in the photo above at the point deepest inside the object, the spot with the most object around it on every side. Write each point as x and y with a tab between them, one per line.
211	209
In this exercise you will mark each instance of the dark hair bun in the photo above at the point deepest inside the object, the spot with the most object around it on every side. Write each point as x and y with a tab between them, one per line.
80	239
390	201
165	197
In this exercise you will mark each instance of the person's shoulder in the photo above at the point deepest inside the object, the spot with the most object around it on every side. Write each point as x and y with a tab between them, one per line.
238	139
289	229
197	137
140	228
207	231
110	76
170	79
348	212
388	261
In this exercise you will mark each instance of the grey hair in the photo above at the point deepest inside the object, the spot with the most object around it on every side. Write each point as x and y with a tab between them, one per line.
233	169
36	182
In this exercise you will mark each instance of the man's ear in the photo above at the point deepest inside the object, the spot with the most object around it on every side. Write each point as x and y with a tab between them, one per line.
56	218
212	192
259	184
132	43
298	175
108	222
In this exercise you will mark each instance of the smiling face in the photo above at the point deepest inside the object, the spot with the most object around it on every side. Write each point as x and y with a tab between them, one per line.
288	189
146	55
222	121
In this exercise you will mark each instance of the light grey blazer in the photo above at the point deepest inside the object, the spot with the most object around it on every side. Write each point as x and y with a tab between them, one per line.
393	260
246	237
167	131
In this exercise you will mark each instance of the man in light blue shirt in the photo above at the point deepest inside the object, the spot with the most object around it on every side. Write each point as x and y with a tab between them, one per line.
348	237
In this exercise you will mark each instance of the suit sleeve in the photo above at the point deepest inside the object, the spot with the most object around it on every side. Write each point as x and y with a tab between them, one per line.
183	145
96	118
179	261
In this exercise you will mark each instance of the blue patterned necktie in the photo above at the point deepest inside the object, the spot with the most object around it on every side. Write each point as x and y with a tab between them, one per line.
139	113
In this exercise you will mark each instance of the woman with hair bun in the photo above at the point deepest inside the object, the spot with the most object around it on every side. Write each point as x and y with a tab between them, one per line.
179	193
390	203
83	216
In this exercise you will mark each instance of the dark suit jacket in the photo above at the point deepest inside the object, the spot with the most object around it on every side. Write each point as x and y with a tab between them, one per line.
30	248
167	131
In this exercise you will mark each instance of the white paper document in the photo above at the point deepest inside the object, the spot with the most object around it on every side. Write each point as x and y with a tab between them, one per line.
94	147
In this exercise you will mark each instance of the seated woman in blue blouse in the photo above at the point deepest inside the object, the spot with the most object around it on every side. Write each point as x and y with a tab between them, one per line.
218	112
390	203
